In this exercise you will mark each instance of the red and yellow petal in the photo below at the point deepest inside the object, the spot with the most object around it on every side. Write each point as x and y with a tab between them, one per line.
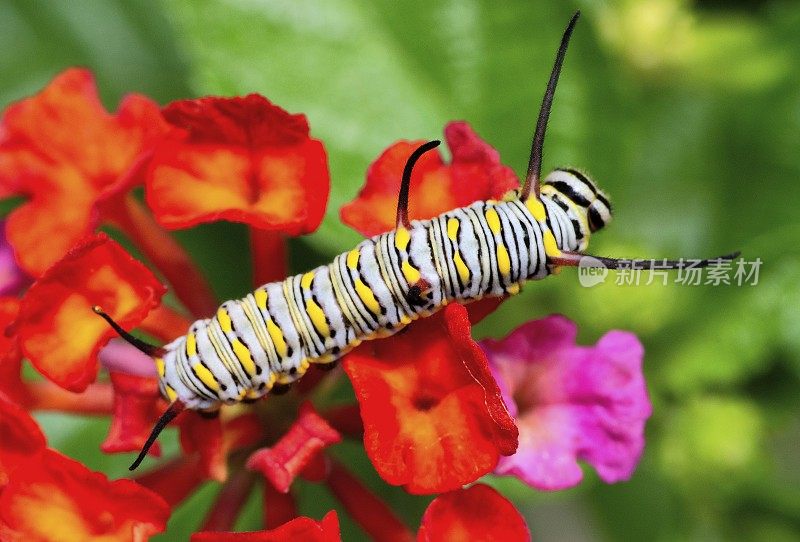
239	159
476	514
302	528
430	424
56	499
63	150
475	173
57	329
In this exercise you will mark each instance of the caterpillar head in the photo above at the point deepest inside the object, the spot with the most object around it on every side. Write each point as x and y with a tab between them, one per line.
585	199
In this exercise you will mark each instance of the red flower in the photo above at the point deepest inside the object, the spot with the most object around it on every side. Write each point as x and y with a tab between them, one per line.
309	435
239	159
299	529
56	327
476	514
63	150
433	416
51	497
475	173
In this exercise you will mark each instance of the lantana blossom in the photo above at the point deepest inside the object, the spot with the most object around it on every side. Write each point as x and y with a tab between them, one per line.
571	402
435	409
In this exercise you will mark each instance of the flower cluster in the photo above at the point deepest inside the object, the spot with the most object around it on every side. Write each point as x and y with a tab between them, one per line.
435	409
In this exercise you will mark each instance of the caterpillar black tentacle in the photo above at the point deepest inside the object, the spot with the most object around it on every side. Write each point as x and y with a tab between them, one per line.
267	340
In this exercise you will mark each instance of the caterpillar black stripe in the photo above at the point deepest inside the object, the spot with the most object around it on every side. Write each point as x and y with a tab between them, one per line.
268	339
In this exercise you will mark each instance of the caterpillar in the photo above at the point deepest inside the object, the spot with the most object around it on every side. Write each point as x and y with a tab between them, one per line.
267	340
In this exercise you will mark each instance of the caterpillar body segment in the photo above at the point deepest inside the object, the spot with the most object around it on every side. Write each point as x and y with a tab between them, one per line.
272	335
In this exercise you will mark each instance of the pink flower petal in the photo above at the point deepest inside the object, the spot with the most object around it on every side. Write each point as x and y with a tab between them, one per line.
571	402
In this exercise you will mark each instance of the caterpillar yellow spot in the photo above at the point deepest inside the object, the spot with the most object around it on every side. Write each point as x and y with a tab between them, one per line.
401	238
261	298
244	357
191	344
352	258
306	280
493	219
452	228
461	268
253	394
171	395
503	260
205	376
367	297
411	274
550	245
224	320
317	316
276	335
536	208
160	367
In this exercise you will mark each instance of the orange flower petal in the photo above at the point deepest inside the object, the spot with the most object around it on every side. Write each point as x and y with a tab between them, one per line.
298	529
239	159
476	514
432	423
56	327
64	151
56	498
475	173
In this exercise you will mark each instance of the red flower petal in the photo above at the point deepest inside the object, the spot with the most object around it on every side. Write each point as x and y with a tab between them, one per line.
137	406
433	418
204	435
476	514
10	355
20	437
63	150
305	439
57	329
298	529
475	173
239	159
56	498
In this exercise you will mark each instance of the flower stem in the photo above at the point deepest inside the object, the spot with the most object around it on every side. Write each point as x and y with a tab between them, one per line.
98	398
230	500
346	419
188	283
370	512
270	257
278	507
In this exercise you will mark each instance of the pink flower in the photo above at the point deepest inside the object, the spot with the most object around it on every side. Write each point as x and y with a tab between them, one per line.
571	402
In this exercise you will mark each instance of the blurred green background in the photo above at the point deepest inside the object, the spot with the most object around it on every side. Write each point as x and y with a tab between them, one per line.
688	114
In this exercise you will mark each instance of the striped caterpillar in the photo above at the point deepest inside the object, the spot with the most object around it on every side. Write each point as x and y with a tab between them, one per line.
265	341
